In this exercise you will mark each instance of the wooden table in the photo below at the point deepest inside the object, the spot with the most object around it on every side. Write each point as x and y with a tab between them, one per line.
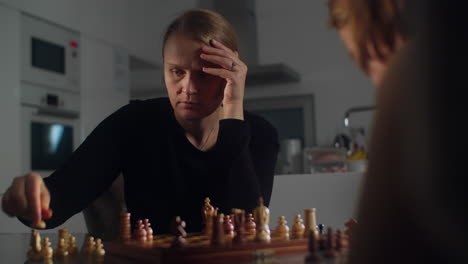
14	247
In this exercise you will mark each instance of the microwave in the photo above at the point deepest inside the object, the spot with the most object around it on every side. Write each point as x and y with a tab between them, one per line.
50	54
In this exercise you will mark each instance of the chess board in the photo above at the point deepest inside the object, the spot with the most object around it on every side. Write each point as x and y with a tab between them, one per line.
199	250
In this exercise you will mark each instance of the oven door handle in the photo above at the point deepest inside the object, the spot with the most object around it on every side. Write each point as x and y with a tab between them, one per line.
47	111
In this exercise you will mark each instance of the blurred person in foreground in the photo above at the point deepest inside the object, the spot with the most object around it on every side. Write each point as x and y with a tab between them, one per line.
412	207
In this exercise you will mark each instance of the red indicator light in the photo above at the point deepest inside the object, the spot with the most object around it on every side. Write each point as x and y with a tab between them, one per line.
74	44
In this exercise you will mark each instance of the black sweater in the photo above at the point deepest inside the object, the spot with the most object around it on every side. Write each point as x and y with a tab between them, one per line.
164	174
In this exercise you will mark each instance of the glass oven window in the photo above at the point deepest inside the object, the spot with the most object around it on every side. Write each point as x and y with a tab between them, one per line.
51	145
47	56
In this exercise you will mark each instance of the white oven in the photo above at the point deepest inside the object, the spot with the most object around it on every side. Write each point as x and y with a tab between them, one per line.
50	54
50	128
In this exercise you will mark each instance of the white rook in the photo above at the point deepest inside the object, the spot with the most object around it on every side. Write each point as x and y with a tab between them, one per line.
310	221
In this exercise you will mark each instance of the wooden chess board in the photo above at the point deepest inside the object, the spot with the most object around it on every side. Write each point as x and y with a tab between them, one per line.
199	250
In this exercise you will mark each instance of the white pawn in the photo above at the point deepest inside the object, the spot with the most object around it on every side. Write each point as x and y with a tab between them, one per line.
298	228
62	250
72	248
47	252
89	246
140	232
282	230
99	251
149	231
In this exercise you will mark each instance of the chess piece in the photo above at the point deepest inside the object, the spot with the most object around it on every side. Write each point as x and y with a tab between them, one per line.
250	225
322	241
89	246
62	251
321	229
207	214
330	244
149	231
140	232
262	218
282	230
63	234
72	248
40	225
217	236
47	252
312	255
228	227
178	228
339	240
125	227
239	222
99	251
34	253
309	221
298	228
350	224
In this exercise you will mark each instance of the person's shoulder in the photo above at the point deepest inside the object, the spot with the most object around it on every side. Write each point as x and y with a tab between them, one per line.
260	128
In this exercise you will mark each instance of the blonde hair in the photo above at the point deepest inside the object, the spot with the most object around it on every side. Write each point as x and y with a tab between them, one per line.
374	24
203	25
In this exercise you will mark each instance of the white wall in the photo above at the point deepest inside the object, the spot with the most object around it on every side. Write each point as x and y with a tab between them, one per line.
100	96
10	151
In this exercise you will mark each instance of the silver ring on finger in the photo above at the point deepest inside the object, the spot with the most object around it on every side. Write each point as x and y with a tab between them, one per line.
233	65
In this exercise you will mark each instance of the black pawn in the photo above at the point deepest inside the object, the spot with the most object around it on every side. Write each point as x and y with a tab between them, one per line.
330	244
312	255
322	237
321	229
